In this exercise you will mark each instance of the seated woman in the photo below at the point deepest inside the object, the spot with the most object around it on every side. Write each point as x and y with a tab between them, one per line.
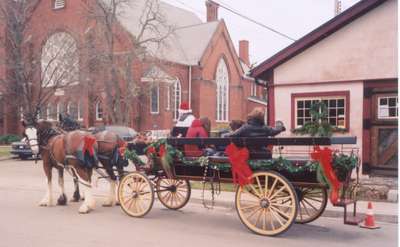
195	130
255	127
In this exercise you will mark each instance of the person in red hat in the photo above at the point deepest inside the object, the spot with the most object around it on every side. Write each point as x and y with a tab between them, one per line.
186	117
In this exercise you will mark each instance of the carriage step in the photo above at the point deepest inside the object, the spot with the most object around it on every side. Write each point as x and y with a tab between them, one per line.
343	203
352	220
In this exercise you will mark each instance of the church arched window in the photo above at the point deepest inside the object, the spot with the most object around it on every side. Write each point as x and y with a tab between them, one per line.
60	61
222	80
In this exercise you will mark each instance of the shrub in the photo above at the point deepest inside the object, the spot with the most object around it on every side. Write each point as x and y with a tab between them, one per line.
8	139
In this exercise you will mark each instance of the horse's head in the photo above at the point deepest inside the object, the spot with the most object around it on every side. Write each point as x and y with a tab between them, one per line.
31	135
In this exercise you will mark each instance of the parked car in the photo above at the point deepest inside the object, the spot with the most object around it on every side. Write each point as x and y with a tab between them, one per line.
21	149
126	133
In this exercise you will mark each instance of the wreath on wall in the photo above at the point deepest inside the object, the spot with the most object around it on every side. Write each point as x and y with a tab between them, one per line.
319	125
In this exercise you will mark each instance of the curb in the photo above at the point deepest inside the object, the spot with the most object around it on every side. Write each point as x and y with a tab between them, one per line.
6	158
327	213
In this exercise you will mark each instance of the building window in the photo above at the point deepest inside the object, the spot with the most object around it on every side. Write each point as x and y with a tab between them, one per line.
154	99
72	109
51	112
80	111
41	114
177	97
222	80
253	89
99	111
388	107
60	108
336	107
59	4
60	61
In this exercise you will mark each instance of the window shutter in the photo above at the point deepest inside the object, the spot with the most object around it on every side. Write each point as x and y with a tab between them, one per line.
59	4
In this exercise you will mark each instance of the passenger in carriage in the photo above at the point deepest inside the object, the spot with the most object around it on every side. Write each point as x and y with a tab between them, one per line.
234	125
184	121
255	127
196	130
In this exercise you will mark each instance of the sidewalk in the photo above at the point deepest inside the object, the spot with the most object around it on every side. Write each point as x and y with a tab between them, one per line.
384	211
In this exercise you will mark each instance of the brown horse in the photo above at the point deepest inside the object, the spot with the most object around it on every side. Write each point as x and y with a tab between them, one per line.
111	160
74	151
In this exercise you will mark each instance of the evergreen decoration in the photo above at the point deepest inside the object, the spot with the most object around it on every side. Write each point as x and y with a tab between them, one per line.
342	164
132	155
319	125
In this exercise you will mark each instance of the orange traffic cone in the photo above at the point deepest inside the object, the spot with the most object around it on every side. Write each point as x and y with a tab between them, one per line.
369	221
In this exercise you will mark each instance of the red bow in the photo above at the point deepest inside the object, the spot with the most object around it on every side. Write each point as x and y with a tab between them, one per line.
324	156
122	147
88	145
241	172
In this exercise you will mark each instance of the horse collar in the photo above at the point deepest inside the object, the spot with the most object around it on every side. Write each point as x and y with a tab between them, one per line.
45	135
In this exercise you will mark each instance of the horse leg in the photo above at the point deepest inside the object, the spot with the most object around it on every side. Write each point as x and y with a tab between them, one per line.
85	175
77	195
48	198
111	200
120	175
62	200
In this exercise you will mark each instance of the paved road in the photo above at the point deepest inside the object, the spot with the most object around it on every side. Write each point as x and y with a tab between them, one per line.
23	223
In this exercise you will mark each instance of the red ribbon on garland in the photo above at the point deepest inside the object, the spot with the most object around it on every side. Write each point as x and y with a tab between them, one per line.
88	144
324	156
238	157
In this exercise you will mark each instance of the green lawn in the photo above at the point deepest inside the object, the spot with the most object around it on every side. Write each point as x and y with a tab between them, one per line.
5	151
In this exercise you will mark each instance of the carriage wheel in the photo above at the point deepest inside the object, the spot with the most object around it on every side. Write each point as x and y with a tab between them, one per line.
268	206
136	194
312	203
172	193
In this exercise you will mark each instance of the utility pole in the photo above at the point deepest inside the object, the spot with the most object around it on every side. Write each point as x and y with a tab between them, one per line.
338	7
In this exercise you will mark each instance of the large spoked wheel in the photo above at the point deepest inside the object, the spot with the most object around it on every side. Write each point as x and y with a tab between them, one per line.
312	203
173	193
136	194
268	206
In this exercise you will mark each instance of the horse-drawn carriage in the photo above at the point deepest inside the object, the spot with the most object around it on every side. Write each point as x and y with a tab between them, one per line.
271	194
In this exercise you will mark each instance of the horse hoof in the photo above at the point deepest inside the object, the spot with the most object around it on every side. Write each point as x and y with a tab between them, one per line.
45	204
76	197
84	209
62	200
117	204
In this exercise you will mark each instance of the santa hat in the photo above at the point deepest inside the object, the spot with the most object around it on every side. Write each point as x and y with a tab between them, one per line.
184	108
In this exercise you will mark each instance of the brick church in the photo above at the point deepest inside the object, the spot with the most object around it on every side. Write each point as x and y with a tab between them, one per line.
198	65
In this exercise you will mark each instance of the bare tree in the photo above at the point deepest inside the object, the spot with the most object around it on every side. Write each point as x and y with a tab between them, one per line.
120	87
34	75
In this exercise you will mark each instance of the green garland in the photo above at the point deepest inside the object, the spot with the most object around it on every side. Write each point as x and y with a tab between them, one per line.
342	163
132	156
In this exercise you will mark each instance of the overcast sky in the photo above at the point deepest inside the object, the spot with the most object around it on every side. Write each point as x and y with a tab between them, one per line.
294	18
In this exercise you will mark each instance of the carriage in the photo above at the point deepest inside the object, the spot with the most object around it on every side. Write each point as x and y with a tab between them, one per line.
278	192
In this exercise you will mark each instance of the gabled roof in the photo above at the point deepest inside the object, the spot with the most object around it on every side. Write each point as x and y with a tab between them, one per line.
315	36
184	45
187	44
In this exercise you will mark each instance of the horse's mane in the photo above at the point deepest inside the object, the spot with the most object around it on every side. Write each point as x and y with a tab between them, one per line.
43	124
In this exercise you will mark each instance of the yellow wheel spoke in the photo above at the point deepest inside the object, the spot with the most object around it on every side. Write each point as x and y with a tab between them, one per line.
259	187
272	187
277	192
310	204
275	209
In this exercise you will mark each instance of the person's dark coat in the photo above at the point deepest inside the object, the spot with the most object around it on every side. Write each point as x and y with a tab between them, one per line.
256	128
